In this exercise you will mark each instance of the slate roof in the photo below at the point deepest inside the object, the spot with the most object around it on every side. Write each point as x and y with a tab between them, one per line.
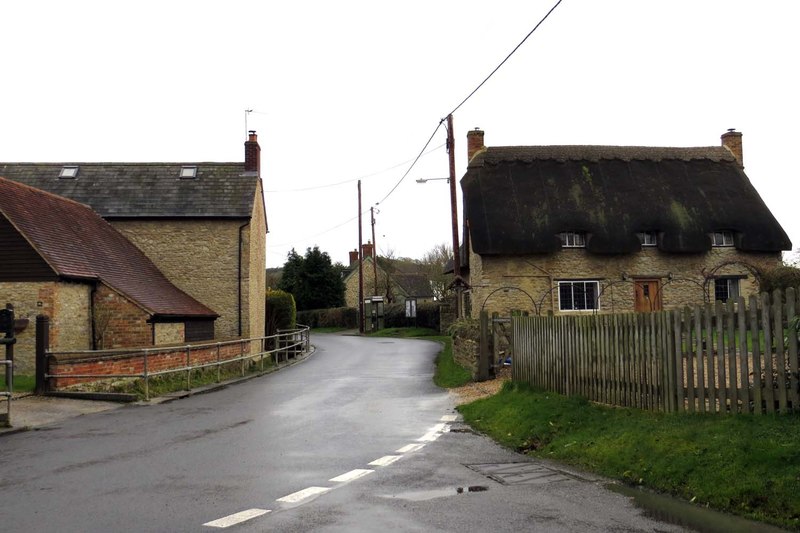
134	190
79	244
519	198
416	285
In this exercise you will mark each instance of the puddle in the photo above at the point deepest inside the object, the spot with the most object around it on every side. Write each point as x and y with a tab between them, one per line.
684	514
425	495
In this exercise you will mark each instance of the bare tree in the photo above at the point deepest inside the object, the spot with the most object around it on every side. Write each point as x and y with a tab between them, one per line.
434	261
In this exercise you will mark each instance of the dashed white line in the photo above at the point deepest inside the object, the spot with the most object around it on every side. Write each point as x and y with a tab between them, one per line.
301	495
386	460
237	518
449	418
351	475
410	448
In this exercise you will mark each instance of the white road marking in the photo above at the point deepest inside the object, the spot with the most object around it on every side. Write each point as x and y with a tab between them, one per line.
386	460
449	418
301	495
237	518
430	436
351	475
410	448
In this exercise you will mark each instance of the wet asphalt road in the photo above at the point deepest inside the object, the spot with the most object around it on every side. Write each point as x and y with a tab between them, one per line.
289	447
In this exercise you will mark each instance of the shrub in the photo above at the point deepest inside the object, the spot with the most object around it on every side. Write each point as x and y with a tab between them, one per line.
281	311
336	317
428	316
781	277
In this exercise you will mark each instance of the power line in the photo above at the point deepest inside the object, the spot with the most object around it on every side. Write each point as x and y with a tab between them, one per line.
467	98
328	185
506	59
412	164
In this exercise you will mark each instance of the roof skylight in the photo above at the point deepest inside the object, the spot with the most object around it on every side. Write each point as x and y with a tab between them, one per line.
68	171
188	172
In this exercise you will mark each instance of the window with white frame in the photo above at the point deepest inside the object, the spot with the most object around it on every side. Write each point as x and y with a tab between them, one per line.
578	295
648	238
572	239
726	289
722	238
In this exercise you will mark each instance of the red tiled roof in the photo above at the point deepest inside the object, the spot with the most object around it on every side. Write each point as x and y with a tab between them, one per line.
77	243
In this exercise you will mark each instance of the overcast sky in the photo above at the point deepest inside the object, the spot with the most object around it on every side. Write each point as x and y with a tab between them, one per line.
354	89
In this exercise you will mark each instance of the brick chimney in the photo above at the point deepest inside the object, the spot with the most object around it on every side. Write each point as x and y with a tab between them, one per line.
354	256
732	140
474	143
367	249
252	154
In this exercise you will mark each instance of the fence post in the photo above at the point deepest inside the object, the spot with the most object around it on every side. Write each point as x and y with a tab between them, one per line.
219	377
188	370
146	378
483	352
42	345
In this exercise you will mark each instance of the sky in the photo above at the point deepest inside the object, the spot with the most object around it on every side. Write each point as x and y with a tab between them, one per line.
349	90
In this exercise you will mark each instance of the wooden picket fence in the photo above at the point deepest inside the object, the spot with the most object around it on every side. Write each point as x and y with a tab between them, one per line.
735	357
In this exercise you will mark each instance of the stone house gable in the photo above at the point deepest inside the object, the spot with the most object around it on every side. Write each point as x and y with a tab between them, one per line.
585	228
203	224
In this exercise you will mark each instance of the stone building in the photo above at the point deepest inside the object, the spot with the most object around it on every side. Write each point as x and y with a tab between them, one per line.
397	280
569	229
63	260
202	224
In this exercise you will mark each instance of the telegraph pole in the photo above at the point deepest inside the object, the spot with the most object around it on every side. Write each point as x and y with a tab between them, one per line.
374	251
360	267
454	213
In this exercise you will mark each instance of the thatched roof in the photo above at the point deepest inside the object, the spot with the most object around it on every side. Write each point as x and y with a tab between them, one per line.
518	199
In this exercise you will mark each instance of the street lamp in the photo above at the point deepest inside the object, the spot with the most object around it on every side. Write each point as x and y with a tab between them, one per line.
423	180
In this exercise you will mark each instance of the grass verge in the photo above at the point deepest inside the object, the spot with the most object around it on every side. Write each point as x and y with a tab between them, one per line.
448	373
22	383
745	465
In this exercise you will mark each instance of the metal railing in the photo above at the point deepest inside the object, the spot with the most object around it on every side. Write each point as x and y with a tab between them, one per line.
9	379
278	348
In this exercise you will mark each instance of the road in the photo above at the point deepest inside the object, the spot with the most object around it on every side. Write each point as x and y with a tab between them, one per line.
356	438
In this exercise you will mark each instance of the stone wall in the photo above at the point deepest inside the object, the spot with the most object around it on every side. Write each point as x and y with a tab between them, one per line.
66	303
351	284
200	257
169	333
504	284
254	287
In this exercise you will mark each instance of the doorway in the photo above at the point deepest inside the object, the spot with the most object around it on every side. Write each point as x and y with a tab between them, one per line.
647	295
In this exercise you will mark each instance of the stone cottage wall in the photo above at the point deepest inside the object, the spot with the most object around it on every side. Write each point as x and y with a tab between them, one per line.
504	284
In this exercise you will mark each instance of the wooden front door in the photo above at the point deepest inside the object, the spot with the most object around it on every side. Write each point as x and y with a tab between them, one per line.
648	295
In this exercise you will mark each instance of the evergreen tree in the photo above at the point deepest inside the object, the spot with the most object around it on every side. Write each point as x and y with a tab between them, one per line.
313	280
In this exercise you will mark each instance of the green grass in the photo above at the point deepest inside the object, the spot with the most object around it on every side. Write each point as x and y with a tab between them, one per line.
176	381
746	465
21	383
448	373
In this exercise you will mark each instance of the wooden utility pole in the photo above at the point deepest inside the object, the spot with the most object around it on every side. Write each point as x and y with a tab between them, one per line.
374	251
360	267
454	213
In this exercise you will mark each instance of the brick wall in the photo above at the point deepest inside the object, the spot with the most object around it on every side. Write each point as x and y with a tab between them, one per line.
118	322
159	359
519	279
